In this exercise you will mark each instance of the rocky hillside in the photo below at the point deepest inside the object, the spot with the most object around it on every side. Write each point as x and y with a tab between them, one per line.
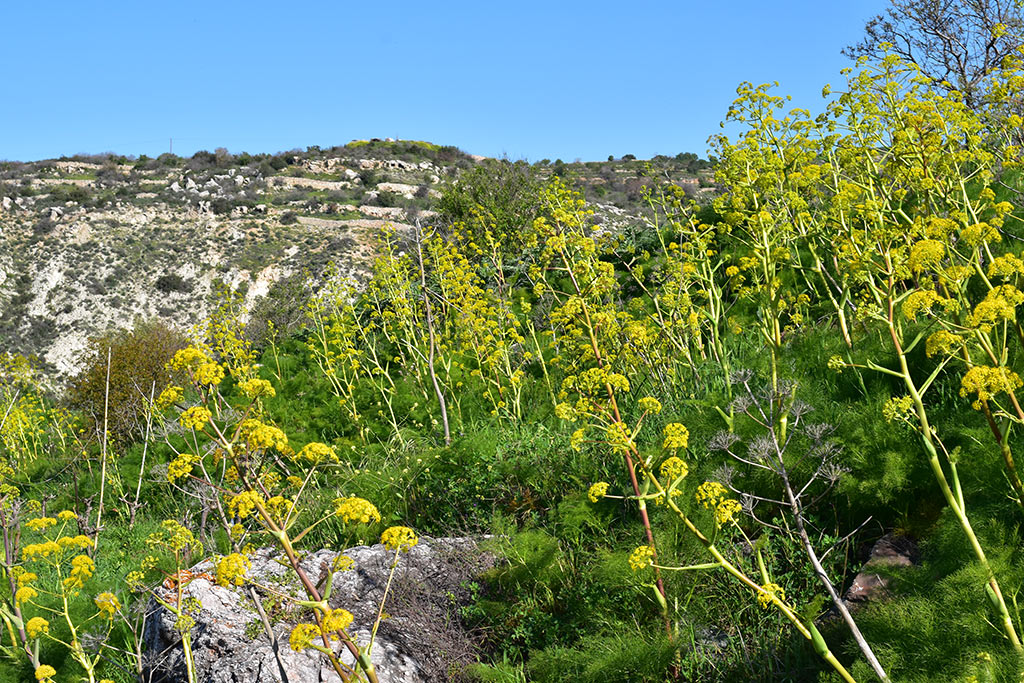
93	243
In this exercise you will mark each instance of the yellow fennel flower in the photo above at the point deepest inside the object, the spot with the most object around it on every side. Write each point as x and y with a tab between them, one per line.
354	509
641	558
45	673
108	604
399	538
231	570
674	468
302	636
37	626
769	593
676	436
597	491
195	417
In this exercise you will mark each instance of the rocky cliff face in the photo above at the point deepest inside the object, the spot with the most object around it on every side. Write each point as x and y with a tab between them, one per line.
89	245
86	247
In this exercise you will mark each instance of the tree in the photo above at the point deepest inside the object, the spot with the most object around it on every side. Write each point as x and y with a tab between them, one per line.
956	42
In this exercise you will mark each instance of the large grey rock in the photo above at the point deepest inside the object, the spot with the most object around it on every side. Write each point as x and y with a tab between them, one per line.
420	641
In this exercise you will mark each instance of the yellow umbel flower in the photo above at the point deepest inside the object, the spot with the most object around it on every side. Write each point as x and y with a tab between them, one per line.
726	509
181	466
66	515
399	538
45	673
108	604
354	509
710	494
244	503
37	626
597	491
25	594
317	453
337	620
82	569
898	408
987	382
649	405
302	636
40	523
257	388
942	342
168	397
231	570
188	357
195	417
769	593
262	436
926	254
674	468
641	557
209	374
676	436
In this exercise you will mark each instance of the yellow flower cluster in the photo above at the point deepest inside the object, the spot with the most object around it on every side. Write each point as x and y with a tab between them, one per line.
302	636
358	510
25	594
922	300
66	515
168	397
399	538
337	620
257	388
987	382
108	604
33	550
45	673
317	453
998	305
181	466
926	254
641	557
82	569
209	374
263	436
37	626
649	405
942	342
1005	266
676	436
769	593
187	358
40	523
244	503
713	496
231	570
597	491
195	417
577	439
674	468
898	408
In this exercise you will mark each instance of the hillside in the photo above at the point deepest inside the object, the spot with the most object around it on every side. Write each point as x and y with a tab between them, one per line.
93	243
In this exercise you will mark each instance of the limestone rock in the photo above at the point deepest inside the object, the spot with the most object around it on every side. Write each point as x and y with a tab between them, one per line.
889	552
421	641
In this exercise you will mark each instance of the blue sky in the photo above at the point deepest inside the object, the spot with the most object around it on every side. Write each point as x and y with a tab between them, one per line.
524	79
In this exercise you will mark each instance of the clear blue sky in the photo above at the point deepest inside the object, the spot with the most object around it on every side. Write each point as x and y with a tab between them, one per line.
524	79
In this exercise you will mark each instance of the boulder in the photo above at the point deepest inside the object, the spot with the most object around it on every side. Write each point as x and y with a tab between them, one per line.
420	641
890	552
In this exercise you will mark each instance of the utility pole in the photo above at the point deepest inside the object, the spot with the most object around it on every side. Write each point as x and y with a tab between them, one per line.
172	145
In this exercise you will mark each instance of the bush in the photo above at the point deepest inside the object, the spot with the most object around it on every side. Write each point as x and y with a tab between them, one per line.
172	282
138	360
289	218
